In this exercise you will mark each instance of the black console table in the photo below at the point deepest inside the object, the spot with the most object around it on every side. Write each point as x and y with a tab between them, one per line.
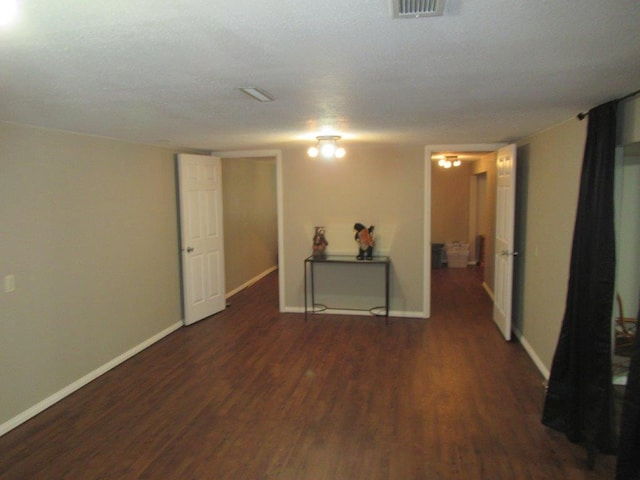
344	260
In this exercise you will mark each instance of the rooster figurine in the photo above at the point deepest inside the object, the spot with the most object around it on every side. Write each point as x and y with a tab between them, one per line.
366	242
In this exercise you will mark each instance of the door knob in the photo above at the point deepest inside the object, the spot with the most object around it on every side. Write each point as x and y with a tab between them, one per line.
189	249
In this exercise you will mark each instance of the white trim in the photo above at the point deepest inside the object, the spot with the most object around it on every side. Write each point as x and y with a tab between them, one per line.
426	267
403	314
251	282
277	154
69	389
488	290
525	344
532	354
293	310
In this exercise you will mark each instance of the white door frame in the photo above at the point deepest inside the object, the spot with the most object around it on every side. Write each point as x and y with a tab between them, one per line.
428	151
277	154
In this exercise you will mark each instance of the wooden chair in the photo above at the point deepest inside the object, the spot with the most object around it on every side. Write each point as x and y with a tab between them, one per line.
625	331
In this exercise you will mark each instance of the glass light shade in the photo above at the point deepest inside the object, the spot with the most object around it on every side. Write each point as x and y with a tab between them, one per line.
328	150
457	163
340	152
312	152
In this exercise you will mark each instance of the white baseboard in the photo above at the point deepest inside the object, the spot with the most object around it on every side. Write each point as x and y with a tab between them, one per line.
488	290
523	341
419	315
68	390
251	282
532	354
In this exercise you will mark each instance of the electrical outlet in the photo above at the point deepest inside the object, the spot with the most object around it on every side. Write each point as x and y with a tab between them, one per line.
9	283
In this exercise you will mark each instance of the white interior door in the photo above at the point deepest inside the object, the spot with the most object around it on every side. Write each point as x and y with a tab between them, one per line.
202	245
504	249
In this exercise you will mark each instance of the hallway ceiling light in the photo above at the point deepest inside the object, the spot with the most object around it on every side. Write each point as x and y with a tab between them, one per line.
327	147
449	161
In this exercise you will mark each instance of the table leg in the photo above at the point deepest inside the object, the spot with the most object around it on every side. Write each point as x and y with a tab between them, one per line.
386	293
313	290
305	290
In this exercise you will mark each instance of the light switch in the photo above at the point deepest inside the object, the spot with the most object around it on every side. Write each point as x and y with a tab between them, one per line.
9	283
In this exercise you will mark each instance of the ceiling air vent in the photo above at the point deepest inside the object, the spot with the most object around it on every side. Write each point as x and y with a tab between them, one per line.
417	8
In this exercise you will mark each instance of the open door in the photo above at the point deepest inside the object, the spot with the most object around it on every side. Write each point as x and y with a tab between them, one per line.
504	242
201	232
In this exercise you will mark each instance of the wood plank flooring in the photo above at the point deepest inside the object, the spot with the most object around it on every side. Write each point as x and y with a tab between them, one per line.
254	394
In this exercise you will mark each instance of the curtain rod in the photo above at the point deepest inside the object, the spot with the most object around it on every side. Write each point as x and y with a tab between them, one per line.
583	115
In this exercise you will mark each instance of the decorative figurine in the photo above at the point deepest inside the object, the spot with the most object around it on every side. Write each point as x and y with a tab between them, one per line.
364	237
319	243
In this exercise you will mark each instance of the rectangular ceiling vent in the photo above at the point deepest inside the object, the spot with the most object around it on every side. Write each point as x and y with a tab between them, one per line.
418	8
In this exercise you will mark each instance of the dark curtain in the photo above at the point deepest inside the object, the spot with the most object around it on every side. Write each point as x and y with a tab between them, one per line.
579	400
628	466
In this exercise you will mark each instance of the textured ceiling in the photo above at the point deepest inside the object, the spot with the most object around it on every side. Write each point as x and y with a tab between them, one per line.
168	72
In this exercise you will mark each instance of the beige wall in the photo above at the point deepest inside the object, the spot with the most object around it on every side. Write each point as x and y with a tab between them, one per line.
629	121
88	226
450	203
373	185
552	161
250	219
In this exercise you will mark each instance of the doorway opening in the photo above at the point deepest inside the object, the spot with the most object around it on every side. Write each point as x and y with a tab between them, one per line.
453	210
252	217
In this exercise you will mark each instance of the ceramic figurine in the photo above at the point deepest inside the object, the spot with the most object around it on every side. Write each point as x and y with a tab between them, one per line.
319	243
366	242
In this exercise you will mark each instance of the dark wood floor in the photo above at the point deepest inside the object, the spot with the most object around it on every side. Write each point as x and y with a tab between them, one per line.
254	394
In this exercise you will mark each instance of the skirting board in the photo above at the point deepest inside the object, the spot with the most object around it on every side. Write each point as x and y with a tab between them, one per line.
532	354
488	290
68	390
523	341
251	282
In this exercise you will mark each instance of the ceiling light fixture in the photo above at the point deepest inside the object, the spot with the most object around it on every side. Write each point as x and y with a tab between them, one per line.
449	161
327	147
258	94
